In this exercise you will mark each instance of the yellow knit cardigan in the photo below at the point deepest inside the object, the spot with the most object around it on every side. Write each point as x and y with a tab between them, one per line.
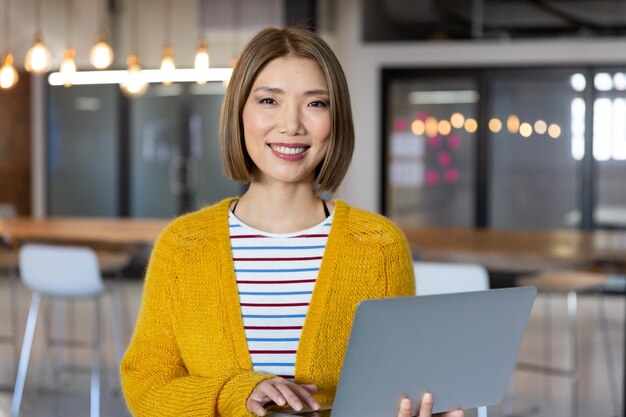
188	355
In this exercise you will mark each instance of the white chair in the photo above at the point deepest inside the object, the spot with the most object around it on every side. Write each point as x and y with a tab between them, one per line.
61	273
442	278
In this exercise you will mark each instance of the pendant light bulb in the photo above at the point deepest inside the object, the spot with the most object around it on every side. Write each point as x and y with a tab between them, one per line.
8	73
134	85
68	66
201	61
38	57
167	65
101	54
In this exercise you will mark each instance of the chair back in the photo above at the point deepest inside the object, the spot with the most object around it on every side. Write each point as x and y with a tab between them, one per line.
441	278
60	271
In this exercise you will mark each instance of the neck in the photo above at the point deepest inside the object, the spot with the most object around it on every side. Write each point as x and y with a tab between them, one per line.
284	208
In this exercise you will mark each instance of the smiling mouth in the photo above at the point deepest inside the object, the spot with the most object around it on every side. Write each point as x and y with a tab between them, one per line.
287	150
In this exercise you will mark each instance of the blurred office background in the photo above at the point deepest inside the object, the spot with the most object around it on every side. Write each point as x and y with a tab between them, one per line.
482	114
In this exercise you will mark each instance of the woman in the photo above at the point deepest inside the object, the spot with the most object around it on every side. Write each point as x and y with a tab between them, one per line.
251	301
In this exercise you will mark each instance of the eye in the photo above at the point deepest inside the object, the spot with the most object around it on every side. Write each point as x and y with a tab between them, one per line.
267	101
318	103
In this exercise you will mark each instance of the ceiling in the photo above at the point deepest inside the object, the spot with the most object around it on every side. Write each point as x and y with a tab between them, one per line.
434	19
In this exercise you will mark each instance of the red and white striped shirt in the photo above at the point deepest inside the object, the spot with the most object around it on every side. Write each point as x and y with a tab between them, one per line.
276	274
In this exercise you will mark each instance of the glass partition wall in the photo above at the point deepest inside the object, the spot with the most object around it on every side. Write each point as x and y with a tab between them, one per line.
431	150
155	155
505	148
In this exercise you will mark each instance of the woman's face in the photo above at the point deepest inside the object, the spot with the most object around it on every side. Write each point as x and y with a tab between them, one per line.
287	121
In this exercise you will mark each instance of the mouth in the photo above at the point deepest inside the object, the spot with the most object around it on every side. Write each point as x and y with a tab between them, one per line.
288	149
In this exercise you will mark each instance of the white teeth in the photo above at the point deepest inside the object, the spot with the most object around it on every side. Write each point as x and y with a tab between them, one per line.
288	151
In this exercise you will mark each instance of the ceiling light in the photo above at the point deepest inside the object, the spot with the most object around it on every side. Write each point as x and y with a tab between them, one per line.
444	97
101	54
180	75
167	65
8	73
133	83
68	66
38	57
201	61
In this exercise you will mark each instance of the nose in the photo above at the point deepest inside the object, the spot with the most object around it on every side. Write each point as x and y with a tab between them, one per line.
290	121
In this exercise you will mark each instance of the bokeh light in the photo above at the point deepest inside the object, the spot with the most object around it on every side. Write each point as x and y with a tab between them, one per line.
471	125
431	127
418	127
495	125
554	131
578	82
541	127
512	124
457	120
444	127
525	129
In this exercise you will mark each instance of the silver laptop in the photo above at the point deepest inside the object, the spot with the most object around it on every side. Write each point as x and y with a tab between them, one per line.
460	347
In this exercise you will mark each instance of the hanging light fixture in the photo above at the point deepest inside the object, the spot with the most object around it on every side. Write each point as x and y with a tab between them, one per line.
38	56
101	54
68	65
8	73
134	84
201	60
167	63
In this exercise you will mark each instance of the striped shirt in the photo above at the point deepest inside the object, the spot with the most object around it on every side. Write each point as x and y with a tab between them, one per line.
276	274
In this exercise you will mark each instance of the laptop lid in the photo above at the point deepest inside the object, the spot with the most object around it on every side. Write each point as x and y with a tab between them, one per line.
461	347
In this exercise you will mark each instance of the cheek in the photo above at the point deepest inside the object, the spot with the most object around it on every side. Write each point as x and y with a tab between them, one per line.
255	125
323	129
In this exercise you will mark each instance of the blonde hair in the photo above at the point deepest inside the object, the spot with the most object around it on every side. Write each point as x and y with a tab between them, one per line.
266	46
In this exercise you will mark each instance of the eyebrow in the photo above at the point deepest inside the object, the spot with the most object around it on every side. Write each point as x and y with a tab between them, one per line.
276	90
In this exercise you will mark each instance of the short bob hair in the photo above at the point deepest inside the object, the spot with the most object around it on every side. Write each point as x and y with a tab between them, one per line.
266	46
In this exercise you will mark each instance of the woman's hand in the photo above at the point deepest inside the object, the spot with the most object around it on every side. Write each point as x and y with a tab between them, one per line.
426	408
282	392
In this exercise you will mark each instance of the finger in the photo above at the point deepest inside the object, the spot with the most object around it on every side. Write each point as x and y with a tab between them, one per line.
273	394
259	395
405	408
426	408
305	395
255	407
291	397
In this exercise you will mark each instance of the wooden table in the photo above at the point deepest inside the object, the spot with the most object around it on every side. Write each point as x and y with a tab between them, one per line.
518	251
115	233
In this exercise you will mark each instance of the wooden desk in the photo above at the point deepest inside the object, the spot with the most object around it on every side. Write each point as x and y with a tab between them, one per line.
518	251
100	232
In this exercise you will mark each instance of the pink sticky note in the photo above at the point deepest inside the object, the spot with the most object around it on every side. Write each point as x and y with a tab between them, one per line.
400	124
432	177
444	158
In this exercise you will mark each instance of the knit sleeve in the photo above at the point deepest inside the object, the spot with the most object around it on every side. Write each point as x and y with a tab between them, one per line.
154	378
398	265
